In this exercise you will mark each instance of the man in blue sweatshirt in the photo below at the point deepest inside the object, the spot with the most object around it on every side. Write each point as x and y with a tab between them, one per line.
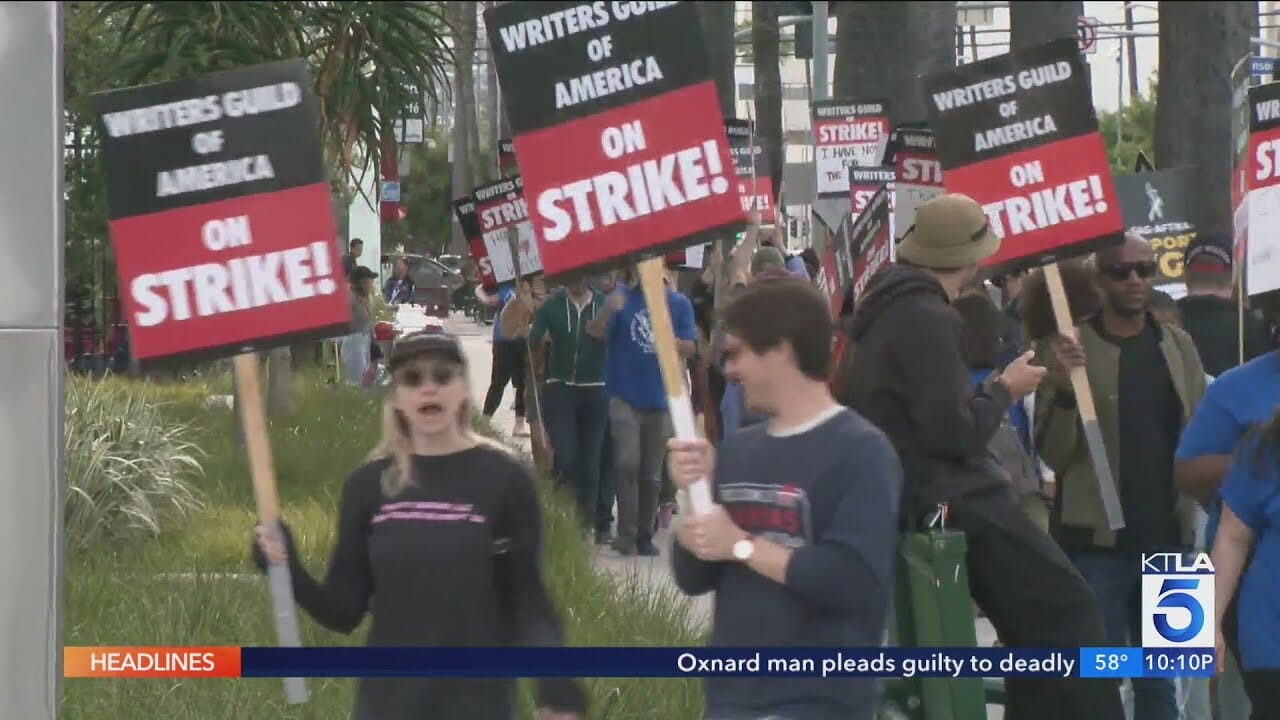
799	547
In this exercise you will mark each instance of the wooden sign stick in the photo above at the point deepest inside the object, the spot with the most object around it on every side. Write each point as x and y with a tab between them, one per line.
697	500
254	419
513	241
1084	402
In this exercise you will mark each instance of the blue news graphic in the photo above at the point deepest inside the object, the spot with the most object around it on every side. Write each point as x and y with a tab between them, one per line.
1132	662
1177	601
657	662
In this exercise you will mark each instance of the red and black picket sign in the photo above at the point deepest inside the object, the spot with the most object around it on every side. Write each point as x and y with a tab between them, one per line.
507	165
847	133
618	128
464	209
829	279
871	242
755	184
1261	180
1018	134
221	218
917	175
864	183
502	211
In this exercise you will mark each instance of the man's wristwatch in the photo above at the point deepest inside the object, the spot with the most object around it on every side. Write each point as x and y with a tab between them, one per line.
744	549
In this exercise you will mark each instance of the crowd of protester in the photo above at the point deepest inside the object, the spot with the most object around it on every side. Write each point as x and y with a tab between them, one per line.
944	393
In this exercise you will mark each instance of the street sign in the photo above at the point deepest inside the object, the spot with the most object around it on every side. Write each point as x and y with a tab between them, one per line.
1263	65
390	191
1087	34
410	131
975	16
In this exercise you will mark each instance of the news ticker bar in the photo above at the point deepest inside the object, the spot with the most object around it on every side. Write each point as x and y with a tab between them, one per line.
273	662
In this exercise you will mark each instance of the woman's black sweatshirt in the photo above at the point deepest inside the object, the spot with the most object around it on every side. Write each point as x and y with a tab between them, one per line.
452	561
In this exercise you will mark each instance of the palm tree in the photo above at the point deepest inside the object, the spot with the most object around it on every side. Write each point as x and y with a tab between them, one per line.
768	87
462	18
1036	23
1200	43
877	59
360	54
717	31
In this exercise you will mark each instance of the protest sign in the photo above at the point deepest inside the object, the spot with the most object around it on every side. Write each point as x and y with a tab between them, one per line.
221	221
755	185
847	133
617	126
507	158
1262	185
871	242
830	280
622	148
917	176
464	209
502	210
220	214
864	183
1018	134
1241	124
1154	206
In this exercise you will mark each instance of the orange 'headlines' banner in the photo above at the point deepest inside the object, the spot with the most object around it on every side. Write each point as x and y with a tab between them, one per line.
151	662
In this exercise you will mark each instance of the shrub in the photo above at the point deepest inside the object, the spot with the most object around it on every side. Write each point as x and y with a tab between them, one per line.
196	586
128	466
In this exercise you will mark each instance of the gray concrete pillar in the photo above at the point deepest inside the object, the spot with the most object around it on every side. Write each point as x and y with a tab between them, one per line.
31	298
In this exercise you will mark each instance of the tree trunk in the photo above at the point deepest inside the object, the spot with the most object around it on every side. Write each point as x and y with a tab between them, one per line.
717	31
466	63
768	87
875	59
1131	49
279	372
1199	45
492	132
462	180
1036	23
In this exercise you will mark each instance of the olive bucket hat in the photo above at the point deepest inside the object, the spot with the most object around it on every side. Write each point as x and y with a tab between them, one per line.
950	231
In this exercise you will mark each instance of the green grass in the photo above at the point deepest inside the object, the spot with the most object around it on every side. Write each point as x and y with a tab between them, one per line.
163	589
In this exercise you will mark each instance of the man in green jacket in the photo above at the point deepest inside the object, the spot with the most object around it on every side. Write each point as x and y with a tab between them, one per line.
1146	380
575	407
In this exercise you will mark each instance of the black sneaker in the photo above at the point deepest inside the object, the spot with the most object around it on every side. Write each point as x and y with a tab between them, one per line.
624	547
646	548
603	537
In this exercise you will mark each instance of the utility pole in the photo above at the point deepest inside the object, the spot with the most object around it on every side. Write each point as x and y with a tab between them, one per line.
821	85
1131	45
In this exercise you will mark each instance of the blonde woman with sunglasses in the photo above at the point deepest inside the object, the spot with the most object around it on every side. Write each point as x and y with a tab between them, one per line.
439	542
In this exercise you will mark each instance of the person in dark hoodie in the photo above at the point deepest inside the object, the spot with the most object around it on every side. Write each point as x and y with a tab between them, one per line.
1210	313
907	371
1012	443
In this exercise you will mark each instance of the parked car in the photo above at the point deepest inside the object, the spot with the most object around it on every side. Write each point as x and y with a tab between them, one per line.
426	272
453	262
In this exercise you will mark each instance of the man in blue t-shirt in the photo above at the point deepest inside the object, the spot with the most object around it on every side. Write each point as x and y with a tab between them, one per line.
638	419
1234	403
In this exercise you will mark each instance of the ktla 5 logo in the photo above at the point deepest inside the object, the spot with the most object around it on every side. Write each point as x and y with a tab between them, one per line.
1177	601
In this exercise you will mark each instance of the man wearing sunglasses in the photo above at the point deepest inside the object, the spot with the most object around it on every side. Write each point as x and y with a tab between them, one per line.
1147	379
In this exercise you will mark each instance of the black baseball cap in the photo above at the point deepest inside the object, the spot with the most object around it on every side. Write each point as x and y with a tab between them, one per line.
425	342
1208	252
